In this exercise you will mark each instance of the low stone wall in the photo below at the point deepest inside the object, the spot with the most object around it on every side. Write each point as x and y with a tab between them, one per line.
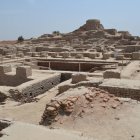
122	92
132	48
31	89
136	55
112	74
93	83
65	76
21	75
122	88
76	78
106	56
51	49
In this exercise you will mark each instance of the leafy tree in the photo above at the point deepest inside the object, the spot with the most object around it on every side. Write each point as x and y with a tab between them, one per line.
56	32
20	39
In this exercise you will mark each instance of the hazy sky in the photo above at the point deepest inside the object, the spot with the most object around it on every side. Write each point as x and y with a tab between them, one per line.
32	18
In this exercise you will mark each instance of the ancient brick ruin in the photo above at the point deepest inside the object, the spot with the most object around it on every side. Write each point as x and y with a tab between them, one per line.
90	70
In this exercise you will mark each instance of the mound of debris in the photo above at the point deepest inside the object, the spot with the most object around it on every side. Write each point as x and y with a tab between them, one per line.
77	102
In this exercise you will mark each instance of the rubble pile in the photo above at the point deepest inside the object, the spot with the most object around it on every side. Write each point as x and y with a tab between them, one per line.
78	105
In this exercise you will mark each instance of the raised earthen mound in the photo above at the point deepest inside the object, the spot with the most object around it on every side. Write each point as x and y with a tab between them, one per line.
76	102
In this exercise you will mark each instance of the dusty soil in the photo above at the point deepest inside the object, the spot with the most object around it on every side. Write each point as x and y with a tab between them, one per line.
107	124
105	117
98	120
30	112
34	132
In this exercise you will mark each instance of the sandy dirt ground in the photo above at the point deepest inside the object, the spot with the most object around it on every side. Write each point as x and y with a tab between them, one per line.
30	112
109	124
120	124
34	132
129	72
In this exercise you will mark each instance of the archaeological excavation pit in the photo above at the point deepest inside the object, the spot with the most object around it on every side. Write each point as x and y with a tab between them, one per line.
75	65
27	83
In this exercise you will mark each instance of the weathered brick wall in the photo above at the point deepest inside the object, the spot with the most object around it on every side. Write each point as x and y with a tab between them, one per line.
65	66
126	88
21	76
88	66
65	76
42	86
51	49
132	48
60	66
12	80
123	92
112	74
69	66
36	87
43	63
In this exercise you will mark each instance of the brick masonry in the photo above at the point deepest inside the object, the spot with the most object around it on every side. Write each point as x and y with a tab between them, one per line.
71	66
122	88
36	87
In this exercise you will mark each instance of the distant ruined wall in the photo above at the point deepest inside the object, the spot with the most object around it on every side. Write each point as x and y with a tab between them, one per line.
65	66
127	88
21	76
12	80
71	66
123	92
53	49
132	48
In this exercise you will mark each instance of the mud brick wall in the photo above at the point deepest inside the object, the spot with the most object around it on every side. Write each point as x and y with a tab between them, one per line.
128	55
12	80
112	74
132	48
65	66
136	55
21	76
60	66
36	87
43	63
88	66
69	66
54	49
123	92
65	76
